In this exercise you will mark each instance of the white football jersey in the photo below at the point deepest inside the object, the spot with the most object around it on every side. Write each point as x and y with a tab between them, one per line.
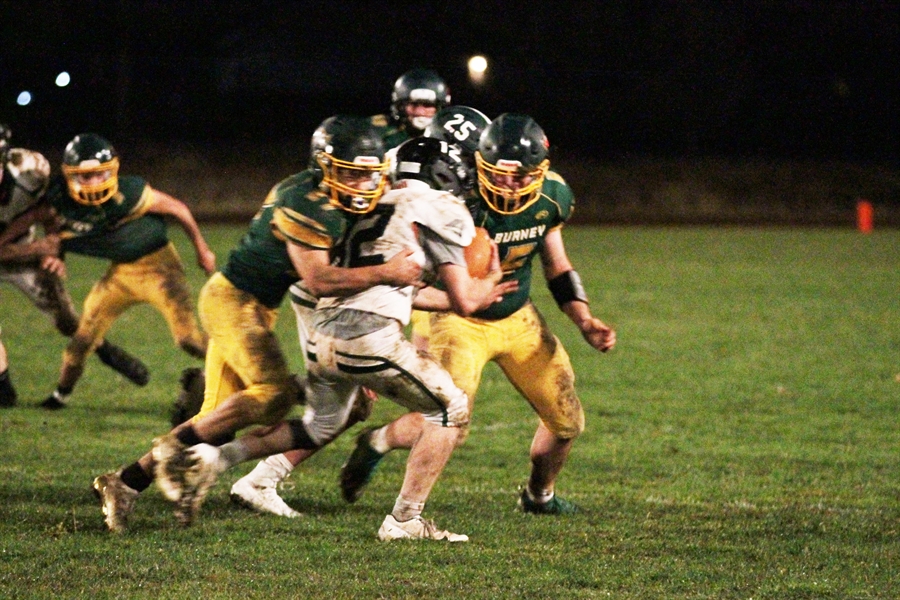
442	213
30	173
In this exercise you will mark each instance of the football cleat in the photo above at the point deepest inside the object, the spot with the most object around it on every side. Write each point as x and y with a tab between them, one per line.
198	479
123	363
53	403
554	506
116	499
8	395
172	462
357	472
262	496
416	528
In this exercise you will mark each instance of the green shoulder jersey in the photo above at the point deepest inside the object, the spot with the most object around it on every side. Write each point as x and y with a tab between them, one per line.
295	210
392	134
521	236
120	229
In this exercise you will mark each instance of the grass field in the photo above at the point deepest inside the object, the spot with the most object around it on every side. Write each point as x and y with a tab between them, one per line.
742	442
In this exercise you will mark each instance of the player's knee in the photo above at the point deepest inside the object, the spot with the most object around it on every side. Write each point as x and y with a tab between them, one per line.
455	414
66	324
568	429
277	400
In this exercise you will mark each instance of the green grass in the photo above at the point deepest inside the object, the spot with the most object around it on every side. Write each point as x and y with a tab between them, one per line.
742	442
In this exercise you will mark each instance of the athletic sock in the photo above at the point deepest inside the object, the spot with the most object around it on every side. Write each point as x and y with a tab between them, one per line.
404	510
135	477
231	454
542	497
188	436
378	440
62	393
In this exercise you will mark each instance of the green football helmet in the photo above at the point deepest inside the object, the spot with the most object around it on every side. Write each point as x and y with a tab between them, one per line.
418	86
511	162
354	169
5	135
91	168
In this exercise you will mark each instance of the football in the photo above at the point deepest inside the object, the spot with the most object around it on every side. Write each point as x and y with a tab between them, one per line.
478	253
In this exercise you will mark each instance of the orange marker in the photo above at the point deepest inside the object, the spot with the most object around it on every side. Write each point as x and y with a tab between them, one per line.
865	216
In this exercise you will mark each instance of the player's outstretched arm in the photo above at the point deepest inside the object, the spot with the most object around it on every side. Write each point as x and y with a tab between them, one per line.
164	204
566	288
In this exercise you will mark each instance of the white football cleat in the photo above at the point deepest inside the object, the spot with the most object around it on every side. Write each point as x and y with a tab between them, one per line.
415	529
262	496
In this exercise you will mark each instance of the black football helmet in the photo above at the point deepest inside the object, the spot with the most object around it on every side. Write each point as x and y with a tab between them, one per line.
351	158
459	125
5	135
319	141
422	86
433	161
511	162
87	156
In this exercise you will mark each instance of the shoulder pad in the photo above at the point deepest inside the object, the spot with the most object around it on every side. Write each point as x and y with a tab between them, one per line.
441	212
554	176
30	169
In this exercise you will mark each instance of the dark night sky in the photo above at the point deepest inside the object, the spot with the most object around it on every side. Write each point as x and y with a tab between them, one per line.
802	79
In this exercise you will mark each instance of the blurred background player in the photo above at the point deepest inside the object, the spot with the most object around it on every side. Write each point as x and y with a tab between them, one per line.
417	95
247	376
524	207
31	263
121	219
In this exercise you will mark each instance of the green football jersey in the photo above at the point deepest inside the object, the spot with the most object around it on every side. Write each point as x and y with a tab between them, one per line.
520	238
119	229
392	135
296	209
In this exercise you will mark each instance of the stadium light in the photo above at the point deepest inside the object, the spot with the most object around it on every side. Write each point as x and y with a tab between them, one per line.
63	79
477	69
24	98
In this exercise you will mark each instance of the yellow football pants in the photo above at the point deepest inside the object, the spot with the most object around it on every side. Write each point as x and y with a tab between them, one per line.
531	357
157	279
244	356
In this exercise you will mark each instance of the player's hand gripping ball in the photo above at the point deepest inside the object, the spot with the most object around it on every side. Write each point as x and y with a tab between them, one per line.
478	254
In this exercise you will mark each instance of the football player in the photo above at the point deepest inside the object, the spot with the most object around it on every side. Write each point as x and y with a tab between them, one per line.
460	127
417	95
32	264
247	376
523	205
416	98
120	219
358	340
